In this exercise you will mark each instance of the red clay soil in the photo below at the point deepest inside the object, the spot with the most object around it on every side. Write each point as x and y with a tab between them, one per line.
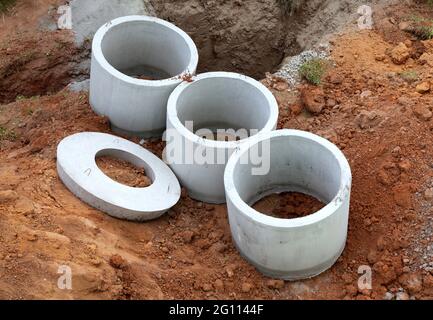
288	205
370	109
123	172
33	61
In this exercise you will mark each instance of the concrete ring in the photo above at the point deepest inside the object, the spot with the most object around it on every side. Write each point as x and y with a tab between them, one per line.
79	172
137	61
213	101
289	249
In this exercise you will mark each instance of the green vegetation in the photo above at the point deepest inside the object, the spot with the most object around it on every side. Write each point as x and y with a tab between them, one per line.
425	32
409	75
5	5
423	27
313	71
6	134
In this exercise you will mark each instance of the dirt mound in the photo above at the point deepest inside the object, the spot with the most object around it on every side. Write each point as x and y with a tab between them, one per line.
288	205
123	172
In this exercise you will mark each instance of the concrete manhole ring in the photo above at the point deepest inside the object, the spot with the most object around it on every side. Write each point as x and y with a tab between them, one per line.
213	101
298	248
78	170
137	61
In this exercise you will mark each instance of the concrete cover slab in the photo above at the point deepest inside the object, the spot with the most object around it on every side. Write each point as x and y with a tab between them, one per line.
78	170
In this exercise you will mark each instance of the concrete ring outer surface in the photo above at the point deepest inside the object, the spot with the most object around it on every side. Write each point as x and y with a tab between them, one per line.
77	168
137	45
227	98
290	249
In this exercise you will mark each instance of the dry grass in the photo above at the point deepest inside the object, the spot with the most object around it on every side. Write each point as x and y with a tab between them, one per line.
5	5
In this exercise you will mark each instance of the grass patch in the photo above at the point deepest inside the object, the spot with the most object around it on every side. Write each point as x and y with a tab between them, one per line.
426	33
423	27
6	134
5	5
409	75
313	71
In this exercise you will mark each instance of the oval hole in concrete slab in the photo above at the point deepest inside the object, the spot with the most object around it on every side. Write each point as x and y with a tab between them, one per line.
124	168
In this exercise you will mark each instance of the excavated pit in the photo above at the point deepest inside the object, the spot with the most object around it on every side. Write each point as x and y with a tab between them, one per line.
248	37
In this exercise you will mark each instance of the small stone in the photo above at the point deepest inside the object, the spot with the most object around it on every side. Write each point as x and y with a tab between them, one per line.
32	237
24	206
207	287
246	287
96	261
402	296
411	282
372	257
335	78
428	194
423	87
281	85
422	112
296	108
313	99
165	249
388	296
219	285
368	119
400	53
405	26
405	165
187	236
365	94
402	195
380	244
117	262
380	57
275	284
427	58
230	272
8	196
330	103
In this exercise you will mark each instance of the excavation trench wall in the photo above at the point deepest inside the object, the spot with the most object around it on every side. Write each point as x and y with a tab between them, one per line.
253	37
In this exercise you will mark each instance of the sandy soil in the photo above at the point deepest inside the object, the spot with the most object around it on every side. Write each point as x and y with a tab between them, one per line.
369	108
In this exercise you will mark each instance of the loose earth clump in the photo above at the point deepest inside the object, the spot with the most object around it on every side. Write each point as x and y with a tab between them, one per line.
288	205
123	172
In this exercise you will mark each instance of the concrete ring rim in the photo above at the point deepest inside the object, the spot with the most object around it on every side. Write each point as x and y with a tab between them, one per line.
74	181
172	114
100	57
279	223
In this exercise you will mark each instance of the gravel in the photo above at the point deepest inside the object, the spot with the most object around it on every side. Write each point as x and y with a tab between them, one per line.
289	69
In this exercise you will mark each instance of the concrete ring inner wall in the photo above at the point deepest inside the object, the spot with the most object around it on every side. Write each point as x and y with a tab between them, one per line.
137	61
299	248
79	172
212	101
